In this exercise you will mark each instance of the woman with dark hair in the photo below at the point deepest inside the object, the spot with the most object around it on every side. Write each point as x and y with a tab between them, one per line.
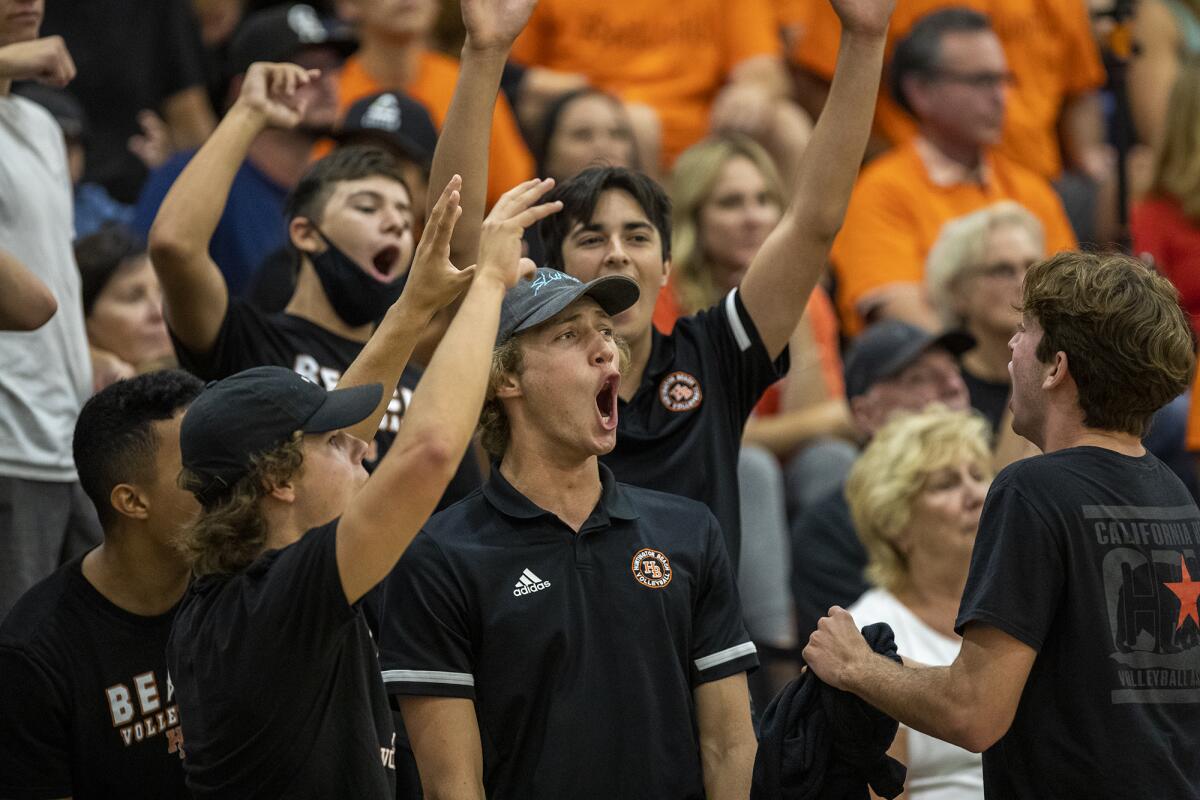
122	306
584	128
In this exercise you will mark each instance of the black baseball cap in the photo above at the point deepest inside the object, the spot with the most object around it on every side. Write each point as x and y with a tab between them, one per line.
395	119
255	411
886	348
532	302
278	34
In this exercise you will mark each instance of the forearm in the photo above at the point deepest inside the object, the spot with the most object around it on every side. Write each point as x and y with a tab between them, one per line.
1082	128
463	146
384	358
192	208
783	433
927	699
189	116
25	302
728	769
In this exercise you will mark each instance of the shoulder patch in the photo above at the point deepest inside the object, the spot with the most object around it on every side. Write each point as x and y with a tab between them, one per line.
680	391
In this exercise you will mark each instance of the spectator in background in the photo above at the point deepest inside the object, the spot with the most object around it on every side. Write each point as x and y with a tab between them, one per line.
1053	125
26	303
893	367
584	128
122	301
1166	33
699	65
217	20
915	496
253	225
395	55
951	73
86	706
45	375
156	66
94	206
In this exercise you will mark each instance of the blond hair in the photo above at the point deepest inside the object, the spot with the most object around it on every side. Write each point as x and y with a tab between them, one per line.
692	182
961	246
1177	162
231	531
887	478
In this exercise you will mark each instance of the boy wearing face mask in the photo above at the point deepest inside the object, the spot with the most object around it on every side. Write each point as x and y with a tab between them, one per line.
350	221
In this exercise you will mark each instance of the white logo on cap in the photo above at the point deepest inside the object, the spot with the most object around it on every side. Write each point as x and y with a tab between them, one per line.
545	278
307	25
384	113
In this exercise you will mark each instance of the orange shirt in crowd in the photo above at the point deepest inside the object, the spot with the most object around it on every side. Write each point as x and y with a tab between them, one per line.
898	208
509	162
821	318
672	55
1050	49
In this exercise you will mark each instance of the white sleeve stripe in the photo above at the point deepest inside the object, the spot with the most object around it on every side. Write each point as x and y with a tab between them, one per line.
728	654
427	676
735	323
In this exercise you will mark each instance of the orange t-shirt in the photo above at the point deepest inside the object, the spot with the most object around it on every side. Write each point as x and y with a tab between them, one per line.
821	317
509	161
897	211
672	55
1050	50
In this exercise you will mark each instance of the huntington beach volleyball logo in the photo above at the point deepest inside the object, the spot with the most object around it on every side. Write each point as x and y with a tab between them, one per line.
651	568
680	392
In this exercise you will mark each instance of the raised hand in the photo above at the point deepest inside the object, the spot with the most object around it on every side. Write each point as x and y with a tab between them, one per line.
153	145
270	92
434	282
866	17
500	239
495	24
44	60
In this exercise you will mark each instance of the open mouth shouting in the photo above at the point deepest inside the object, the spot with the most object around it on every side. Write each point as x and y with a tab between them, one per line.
386	264
606	402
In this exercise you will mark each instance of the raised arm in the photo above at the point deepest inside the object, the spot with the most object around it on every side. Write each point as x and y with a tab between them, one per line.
402	493
26	303
970	703
463	144
194	293
787	267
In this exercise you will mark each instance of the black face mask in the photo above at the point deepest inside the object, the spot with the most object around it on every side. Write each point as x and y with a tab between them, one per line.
356	297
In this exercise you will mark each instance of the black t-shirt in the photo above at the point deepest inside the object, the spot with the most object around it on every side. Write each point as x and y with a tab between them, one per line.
828	560
1092	558
580	651
277	679
86	707
251	338
131	55
988	398
682	431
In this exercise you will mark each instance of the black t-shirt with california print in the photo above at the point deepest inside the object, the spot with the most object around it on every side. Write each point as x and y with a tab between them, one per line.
251	338
278	684
86	707
682	430
1092	558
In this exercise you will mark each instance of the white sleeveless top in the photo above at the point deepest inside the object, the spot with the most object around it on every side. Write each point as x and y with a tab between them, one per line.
937	770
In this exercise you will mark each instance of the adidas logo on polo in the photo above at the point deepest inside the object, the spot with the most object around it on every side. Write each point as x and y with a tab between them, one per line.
529	584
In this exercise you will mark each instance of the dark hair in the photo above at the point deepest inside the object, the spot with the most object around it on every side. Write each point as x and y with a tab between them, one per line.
553	116
100	254
1129	345
114	438
920	52
350	163
580	195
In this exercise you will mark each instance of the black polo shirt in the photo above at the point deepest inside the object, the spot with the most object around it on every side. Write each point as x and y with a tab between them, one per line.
682	430
581	651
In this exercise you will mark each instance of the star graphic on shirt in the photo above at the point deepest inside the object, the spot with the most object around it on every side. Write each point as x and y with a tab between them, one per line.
1187	590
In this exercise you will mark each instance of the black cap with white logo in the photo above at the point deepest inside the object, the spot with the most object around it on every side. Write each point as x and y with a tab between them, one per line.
394	119
278	34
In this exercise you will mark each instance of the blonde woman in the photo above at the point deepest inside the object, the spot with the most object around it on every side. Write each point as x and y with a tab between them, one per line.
915	495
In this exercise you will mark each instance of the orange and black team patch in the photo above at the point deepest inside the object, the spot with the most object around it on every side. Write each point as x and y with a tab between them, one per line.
680	392
651	568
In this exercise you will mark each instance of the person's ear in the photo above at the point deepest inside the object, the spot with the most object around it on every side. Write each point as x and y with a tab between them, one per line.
129	501
915	89
283	491
304	237
1058	371
666	272
508	386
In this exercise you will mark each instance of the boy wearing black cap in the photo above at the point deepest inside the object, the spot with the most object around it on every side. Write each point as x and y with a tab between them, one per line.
558	628
273	666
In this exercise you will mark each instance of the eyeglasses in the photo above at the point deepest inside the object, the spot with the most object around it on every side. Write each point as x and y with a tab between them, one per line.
976	80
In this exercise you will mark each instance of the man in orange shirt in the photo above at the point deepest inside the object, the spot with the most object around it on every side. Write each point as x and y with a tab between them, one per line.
1054	59
951	73
699	64
393	55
